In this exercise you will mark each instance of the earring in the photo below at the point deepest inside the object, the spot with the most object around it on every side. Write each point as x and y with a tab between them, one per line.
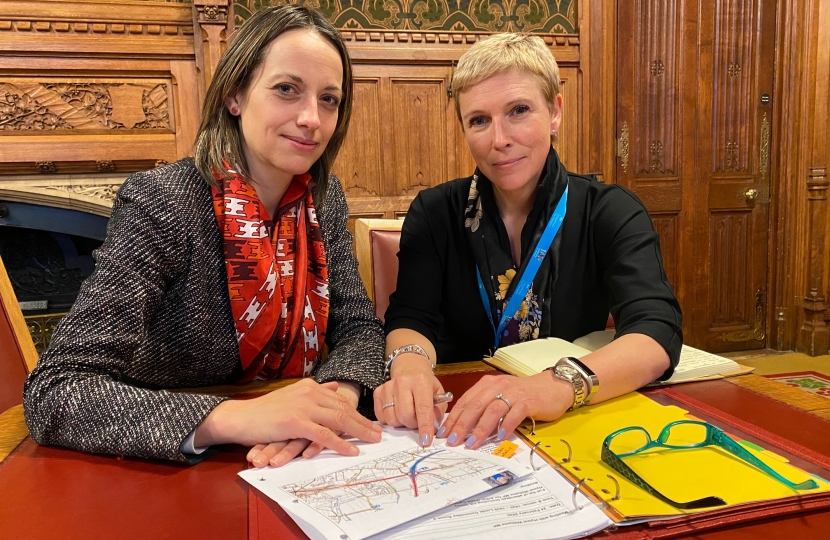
234	110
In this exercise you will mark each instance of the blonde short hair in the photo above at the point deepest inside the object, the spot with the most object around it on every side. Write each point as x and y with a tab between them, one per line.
501	53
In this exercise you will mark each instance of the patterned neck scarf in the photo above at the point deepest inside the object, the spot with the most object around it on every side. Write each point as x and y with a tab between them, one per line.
491	249
277	277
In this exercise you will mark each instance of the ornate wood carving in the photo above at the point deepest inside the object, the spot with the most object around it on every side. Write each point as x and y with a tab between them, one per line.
63	105
46	167
735	44
655	80
104	192
213	26
657	68
814	335
90	27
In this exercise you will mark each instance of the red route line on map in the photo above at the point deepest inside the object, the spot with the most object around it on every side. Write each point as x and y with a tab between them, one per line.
350	485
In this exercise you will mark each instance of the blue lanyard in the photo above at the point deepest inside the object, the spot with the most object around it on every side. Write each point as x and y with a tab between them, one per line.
533	265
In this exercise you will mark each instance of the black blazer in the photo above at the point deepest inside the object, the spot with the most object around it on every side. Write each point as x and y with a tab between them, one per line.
155	314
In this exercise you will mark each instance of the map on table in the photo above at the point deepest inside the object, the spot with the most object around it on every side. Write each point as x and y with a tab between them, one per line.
394	480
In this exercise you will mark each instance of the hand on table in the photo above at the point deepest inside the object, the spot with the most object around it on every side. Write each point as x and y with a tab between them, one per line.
476	415
411	390
284	421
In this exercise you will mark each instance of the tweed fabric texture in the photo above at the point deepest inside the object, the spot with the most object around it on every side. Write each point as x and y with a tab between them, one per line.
155	315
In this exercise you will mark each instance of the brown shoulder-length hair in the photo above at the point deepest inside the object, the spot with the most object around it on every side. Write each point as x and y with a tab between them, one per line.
219	139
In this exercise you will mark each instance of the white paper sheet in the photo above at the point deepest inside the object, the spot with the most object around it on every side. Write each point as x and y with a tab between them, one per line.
390	483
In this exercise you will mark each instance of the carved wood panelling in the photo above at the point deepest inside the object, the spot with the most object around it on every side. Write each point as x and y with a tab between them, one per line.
730	288
39	27
733	100
56	105
359	162
566	143
89	26
654	134
666	226
419	134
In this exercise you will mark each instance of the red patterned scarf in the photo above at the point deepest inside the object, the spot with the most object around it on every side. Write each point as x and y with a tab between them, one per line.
280	333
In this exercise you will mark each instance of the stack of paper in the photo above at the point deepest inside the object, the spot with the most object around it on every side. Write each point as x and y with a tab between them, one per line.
397	490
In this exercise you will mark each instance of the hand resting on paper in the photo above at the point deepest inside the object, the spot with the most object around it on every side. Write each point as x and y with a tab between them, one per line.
624	365
282	423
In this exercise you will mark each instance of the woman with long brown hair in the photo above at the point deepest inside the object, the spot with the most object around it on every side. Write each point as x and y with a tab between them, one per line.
229	267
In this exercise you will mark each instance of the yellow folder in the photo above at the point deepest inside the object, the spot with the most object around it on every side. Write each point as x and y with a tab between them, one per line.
681	475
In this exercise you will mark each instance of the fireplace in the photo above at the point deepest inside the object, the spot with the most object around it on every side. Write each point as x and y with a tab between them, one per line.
47	236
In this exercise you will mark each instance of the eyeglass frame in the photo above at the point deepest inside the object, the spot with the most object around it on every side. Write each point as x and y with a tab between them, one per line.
714	436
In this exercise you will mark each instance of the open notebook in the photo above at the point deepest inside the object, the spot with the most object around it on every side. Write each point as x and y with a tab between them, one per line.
532	357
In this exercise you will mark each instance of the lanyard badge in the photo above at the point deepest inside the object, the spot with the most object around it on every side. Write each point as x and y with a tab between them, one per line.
539	252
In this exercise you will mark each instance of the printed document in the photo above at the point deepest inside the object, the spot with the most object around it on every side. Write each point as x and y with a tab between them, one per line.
397	490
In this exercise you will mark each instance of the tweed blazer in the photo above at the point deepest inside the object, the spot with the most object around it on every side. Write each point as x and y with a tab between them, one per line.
155	314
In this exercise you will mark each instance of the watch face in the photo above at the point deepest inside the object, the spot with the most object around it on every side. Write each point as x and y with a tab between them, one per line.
566	371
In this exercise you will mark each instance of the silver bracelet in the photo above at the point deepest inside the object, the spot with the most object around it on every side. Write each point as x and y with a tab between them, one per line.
412	348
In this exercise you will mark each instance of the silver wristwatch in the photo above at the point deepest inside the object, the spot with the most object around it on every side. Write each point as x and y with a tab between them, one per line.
413	348
583	380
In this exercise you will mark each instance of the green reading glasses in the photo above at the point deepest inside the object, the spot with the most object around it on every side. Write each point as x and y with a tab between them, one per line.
683	434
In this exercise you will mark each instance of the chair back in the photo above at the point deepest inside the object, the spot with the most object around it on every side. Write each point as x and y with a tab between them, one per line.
17	351
377	242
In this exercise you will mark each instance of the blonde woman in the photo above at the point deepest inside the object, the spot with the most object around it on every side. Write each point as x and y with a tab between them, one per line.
520	250
231	267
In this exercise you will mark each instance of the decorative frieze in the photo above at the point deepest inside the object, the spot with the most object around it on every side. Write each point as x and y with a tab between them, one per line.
35	105
94	28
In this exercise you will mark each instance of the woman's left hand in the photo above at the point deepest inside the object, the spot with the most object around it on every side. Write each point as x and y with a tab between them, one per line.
279	453
477	413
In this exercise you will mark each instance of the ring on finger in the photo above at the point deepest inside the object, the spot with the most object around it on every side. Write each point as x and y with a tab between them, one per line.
387	405
501	397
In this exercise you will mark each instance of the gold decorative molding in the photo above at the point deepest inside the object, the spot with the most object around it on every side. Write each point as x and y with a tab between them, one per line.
758	332
623	147
763	165
41	328
734	69
62	104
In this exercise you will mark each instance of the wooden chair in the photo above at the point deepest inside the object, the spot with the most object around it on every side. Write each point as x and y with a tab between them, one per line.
377	242
17	351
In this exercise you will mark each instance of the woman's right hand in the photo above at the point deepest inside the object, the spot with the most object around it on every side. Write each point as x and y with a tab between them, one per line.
294	415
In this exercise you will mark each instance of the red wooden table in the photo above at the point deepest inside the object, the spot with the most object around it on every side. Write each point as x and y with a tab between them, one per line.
55	493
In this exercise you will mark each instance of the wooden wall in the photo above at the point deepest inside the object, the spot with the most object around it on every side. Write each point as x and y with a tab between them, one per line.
660	96
749	273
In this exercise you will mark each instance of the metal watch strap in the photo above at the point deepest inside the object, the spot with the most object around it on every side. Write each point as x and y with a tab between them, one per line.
590	380
411	348
569	374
